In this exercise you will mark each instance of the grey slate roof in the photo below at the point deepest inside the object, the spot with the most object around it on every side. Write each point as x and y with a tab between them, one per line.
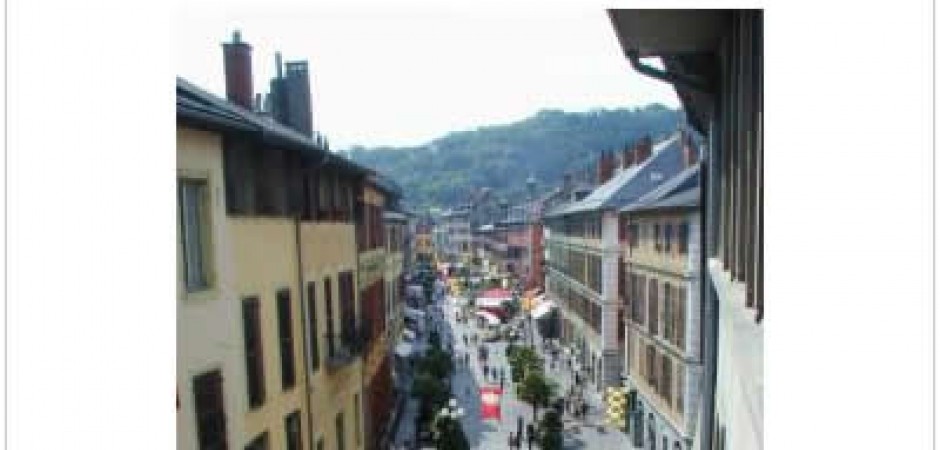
198	107
629	185
680	191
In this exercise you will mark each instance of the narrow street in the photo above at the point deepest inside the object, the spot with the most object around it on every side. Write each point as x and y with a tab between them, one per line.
590	432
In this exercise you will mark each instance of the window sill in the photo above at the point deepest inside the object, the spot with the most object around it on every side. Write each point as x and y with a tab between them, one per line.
202	295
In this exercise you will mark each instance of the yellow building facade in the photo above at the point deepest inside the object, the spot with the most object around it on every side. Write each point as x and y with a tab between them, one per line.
269	330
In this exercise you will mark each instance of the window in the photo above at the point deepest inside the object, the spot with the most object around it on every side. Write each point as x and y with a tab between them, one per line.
666	385
668	319
312	326
680	389
340	432
633	235
285	338
210	413
654	307
651	366
258	443
292	431
668	238
330	334
640	303
679	314
347	306
657	238
254	360
321	444
683	237
194	222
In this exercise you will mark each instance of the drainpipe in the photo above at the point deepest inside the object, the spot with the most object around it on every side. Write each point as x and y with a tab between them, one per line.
303	325
668	77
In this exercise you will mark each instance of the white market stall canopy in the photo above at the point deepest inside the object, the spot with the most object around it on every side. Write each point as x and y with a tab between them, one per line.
490	318
491	302
542	309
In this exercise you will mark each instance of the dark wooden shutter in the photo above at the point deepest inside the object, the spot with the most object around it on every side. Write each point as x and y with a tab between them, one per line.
286	338
254	358
330	333
210	411
654	307
312	326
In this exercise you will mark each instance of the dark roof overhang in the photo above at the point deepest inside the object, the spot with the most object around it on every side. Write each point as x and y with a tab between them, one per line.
686	41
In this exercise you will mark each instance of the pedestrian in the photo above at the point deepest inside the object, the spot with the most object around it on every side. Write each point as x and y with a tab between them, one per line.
512	440
530	435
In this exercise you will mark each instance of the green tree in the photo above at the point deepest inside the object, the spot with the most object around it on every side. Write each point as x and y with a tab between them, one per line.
523	360
549	435
449	434
430	389
536	390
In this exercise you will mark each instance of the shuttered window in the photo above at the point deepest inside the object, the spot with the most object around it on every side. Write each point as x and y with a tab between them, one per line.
680	388
657	238
347	306
680	318
668	318
210	412
666	383
683	237
340	432
330	331
654	307
314	337
254	360
667	238
286	338
292	431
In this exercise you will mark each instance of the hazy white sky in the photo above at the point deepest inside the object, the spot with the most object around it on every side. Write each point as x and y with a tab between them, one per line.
404	76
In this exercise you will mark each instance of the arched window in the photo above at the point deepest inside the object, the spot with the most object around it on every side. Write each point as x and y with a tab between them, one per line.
676	446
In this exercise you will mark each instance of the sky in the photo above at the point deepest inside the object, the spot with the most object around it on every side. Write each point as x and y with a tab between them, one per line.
405	76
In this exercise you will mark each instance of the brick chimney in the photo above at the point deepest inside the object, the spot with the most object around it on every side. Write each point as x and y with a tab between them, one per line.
237	60
643	149
605	167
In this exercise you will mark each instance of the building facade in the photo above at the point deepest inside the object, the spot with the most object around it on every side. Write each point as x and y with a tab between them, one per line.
715	64
661	281
270	333
583	254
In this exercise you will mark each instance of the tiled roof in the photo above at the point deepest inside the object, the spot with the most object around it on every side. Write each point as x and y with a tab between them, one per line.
199	107
681	190
628	185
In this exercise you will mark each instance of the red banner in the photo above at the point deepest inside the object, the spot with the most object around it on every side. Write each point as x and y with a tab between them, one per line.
489	401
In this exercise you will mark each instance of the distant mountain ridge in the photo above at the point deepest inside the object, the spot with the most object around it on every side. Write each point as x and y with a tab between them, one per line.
445	171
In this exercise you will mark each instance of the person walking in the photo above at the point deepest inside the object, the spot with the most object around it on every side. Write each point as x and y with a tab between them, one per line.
512	441
530	435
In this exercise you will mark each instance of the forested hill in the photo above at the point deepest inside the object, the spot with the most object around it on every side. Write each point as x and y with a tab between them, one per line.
443	172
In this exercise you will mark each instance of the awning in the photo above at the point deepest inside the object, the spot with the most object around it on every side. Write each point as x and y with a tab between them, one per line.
489	317
490	302
542	309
